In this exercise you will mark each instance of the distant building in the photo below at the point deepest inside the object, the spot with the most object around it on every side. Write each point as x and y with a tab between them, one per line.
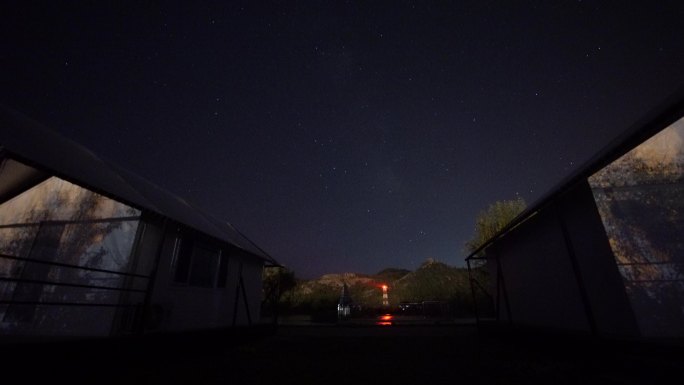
427	309
344	305
90	249
435	309
411	308
603	253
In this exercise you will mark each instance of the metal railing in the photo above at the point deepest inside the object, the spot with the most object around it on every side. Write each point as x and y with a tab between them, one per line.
654	264
49	282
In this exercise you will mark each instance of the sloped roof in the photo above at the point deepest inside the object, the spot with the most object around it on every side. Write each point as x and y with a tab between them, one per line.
39	146
662	115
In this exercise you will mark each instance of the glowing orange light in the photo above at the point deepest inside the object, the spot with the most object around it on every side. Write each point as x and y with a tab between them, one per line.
386	317
384	287
384	323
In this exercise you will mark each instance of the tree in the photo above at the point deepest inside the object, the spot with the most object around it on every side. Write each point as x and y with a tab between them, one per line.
276	282
493	219
488	223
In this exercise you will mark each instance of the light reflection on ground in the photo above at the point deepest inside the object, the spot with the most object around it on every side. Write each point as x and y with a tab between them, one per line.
385	320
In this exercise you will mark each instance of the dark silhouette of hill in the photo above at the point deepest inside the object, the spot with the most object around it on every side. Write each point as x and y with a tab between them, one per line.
432	281
391	274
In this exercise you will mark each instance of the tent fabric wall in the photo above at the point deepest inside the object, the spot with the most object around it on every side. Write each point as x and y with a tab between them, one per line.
65	263
539	280
251	274
559	273
31	154
182	306
608	303
574	259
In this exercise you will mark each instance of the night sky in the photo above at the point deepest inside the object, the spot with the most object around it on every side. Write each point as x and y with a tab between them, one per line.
344	136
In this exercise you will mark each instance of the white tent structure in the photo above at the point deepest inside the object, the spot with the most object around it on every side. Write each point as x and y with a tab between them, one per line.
603	253
90	249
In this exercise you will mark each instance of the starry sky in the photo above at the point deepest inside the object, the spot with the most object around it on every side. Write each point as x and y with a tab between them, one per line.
344	136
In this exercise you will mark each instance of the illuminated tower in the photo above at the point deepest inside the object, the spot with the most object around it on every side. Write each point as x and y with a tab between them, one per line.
385	298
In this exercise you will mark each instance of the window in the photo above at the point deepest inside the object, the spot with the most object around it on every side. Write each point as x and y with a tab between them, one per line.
198	263
223	269
203	268
183	259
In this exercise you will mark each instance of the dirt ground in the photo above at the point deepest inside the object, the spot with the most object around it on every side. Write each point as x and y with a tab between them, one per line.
435	354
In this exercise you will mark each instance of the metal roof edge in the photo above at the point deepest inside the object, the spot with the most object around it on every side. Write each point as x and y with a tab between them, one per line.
666	113
144	202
